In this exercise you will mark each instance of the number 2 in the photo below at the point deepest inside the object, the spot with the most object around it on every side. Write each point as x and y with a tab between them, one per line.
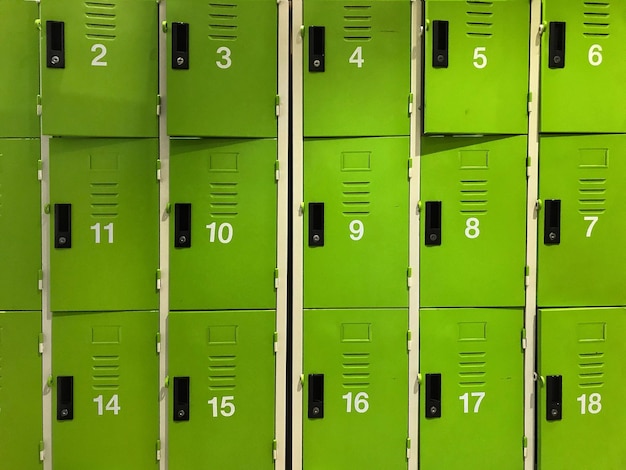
357	57
97	62
593	219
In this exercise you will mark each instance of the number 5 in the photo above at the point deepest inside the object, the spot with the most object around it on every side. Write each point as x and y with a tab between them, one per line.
593	220
480	60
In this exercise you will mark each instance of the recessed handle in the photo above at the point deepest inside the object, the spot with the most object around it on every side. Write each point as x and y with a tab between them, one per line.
55	44
65	398
440	44
556	59
316	396
63	226
181	398
552	222
180	46
432	233
554	397
317	48
316	224
182	225
433	396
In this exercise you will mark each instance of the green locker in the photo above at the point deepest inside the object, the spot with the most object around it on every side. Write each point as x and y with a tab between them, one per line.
222	382
581	221
20	225
20	390
473	221
105	393
580	396
472	389
19	82
223	224
476	67
357	68
583	69
355	389
222	68
355	222
99	68
104	206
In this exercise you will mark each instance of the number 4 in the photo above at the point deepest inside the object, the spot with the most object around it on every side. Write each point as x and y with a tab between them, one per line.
357	57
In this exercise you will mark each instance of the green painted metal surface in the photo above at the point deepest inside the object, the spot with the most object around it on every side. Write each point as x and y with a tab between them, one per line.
586	268
20	225
109	85
20	390
113	359
230	87
19	81
363	356
229	359
588	93
478	353
364	90
363	184
113	189
585	347
484	89
231	187
481	183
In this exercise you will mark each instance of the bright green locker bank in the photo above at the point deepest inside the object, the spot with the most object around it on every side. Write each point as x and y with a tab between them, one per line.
20	225
357	68
471	390
104	207
222	79
223	195
105	393
222	389
473	220
355	389
355	222
476	67
581	410
19	82
582	67
581	221
99	68
20	390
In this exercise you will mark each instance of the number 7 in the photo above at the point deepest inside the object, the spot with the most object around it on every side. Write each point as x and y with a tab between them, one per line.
480	396
593	220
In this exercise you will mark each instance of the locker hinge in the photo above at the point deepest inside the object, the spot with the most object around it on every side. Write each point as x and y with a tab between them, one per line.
276	278
277	104
158	105
158	450
527	276
419	207
408	448
41	451
409	336
158	170
39	107
276	341
158	343
409	278
275	449
301	209
410	168
40	170
410	103
528	163
524	342
40	279
530	101
164	26
158	279
277	170
46	209
525	446
41	338
38	23
542	28
166	381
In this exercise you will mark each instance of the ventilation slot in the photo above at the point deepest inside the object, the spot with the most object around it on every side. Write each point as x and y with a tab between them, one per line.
356	198
592	195
223	199
472	369
357	23
222	373
479	19
596	19
474	197
104	199
100	21
356	370
106	372
591	370
223	19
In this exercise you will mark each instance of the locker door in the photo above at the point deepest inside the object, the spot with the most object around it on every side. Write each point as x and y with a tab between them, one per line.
581	410
355	389
581	222
222	381
222	78
471	391
99	68
20	390
583	57
357	59
473	219
20	225
19	81
356	227
106	390
104	227
223	195
476	67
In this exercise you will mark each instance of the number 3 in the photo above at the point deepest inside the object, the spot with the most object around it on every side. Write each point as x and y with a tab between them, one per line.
225	51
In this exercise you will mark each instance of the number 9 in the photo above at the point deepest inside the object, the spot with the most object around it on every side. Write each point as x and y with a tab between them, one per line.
356	230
